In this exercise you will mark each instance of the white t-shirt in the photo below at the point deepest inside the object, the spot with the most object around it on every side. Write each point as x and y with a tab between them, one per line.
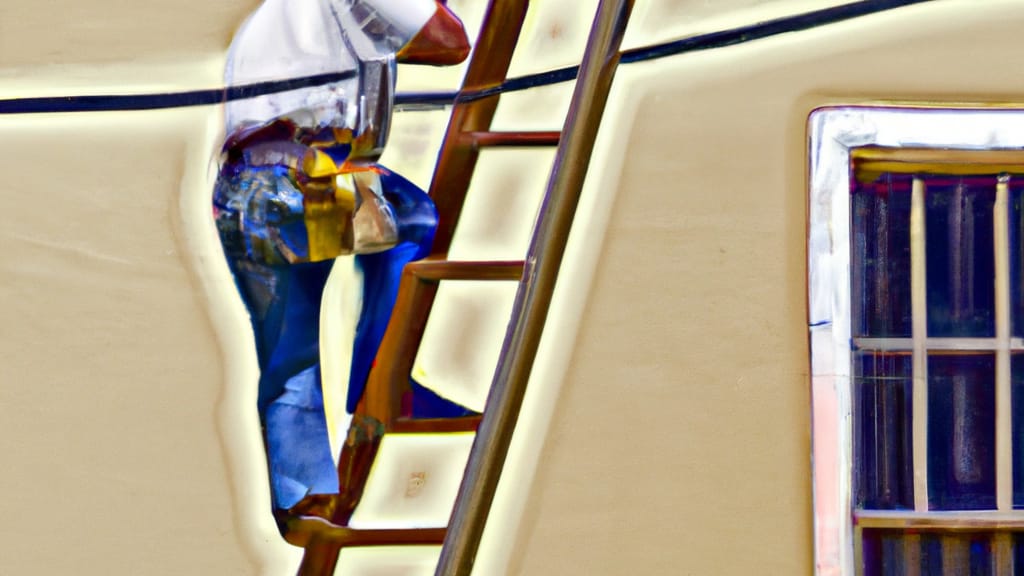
286	39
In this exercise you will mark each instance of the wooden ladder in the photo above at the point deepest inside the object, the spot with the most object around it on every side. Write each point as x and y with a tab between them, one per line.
388	385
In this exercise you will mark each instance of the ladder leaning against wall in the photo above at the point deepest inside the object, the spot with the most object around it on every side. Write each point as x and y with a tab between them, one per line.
379	419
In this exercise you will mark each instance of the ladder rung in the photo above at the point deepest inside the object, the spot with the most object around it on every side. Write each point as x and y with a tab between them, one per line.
302	529
419	286
489	139
435	425
436	270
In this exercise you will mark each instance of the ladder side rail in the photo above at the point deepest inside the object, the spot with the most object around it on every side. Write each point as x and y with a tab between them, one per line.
533	299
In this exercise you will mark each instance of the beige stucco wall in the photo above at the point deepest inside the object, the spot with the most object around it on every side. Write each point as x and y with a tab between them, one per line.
110	374
679	441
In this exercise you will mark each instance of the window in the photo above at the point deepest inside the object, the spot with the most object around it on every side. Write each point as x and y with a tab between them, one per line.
917	340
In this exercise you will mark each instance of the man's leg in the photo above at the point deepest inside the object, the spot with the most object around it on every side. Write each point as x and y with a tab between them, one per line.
284	302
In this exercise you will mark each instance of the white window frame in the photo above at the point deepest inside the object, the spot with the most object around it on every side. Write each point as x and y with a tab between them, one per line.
833	133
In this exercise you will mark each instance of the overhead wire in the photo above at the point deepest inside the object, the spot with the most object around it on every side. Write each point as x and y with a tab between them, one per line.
412	101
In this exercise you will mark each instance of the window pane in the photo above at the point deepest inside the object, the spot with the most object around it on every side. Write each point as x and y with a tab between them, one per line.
883	553
1018	550
881	258
895	553
961	432
982	560
1016	229
1017	412
890	553
960	259
883	461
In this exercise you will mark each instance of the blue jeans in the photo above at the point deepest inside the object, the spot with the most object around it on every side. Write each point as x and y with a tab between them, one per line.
254	203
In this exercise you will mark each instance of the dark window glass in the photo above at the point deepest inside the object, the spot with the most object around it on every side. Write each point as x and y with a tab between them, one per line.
883	553
1017	410
960	259
979	554
883	461
881	258
891	553
895	553
961	432
1018	549
1016	230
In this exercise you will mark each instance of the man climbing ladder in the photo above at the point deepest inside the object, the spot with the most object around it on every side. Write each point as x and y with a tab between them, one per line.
299	185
